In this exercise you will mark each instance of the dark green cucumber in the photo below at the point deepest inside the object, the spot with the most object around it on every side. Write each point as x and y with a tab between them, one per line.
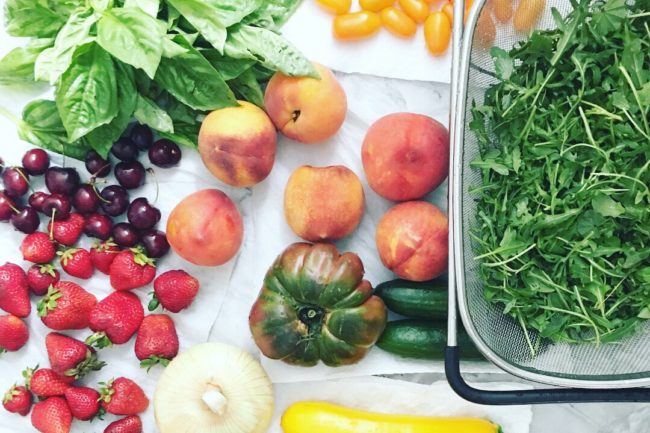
423	339
417	300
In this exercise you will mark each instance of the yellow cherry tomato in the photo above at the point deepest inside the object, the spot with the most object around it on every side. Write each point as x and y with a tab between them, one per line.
418	10
397	22
335	6
375	5
356	25
437	33
485	32
448	9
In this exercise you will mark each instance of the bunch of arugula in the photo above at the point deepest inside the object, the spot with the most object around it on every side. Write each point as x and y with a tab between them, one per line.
563	231
163	62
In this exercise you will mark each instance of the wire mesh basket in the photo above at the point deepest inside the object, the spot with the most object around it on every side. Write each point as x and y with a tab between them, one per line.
606	372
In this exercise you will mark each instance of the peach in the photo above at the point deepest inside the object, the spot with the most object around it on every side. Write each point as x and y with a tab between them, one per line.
305	109
405	156
205	228
237	144
323	203
412	240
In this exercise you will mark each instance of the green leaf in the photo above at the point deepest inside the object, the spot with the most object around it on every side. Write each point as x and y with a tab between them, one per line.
611	17
273	14
53	62
87	93
246	87
102	138
100	5
171	49
17	66
148	6
228	68
133	37
503	63
606	206
191	79
644	94
619	100
32	18
184	133
148	113
270	49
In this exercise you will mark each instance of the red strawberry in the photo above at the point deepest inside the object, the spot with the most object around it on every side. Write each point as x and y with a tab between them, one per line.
13	333
45	382
83	402
18	400
123	396
71	357
115	319
66	306
68	231
40	277
131	269
38	248
102	255
77	262
52	416
14	293
157	341
174	290
129	424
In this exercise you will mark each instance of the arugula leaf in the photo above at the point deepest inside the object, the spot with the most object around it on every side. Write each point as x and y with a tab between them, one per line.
503	64
610	17
32	18
87	93
148	113
54	61
133	37
17	66
605	206
247	88
191	79
148	6
270	49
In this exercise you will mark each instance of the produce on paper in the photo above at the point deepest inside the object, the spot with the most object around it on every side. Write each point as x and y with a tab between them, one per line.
14	293
83	402
131	269
324	417
45	382
315	305
122	396
71	357
157	341
323	203
437	32
205	228
174	291
14	333
18	400
213	387
115	319
66	306
164	63
419	300
306	109
424	339
562	202
128	424
412	239
405	156
398	22
237	144
52	415
41	277
356	25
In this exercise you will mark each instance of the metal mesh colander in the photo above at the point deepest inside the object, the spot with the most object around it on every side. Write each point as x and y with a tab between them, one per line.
501	339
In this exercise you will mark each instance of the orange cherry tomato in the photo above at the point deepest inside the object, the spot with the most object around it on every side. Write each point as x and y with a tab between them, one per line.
336	7
418	10
397	22
448	9
375	5
437	33
356	25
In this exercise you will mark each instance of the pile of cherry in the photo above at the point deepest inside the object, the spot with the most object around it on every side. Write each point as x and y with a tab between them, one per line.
124	251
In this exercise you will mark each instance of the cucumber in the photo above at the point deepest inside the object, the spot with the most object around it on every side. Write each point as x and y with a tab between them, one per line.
424	340
417	300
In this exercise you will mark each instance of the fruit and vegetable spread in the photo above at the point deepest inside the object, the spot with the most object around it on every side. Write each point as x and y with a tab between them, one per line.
563	205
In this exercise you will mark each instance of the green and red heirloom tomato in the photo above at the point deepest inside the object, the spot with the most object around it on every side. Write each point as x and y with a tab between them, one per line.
315	305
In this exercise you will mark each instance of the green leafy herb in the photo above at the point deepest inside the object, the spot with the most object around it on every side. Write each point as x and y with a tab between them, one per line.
18	65
148	113
563	209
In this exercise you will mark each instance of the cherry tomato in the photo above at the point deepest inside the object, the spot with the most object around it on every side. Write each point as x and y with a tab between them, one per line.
336	6
418	10
527	14
397	22
437	32
448	9
502	10
485	32
375	5
356	25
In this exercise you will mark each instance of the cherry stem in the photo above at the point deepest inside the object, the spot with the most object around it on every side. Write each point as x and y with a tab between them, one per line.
94	175
24	176
99	196
12	207
152	172
52	224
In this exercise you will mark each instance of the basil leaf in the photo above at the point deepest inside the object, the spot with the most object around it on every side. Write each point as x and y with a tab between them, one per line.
148	113
148	6
185	134
133	37
212	17
87	92
246	87
100	5
53	62
227	67
191	79
18	65
32	18
171	49
270	49
102	138
273	14
42	126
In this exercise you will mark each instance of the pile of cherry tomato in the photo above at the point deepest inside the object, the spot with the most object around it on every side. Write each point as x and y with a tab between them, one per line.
401	19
